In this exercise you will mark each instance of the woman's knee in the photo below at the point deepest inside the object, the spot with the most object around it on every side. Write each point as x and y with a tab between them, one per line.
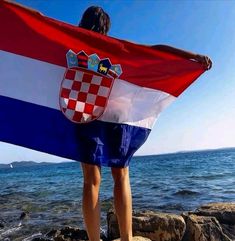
120	174
91	174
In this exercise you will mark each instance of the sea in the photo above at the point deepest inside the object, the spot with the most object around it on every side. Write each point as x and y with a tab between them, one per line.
50	195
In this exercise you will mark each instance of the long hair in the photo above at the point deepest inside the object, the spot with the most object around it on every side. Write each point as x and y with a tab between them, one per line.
95	19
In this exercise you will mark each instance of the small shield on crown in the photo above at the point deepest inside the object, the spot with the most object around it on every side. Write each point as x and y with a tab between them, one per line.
85	88
104	66
93	62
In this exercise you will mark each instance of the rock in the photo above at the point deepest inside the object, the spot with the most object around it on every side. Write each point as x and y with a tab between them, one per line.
223	212
159	226
2	223
135	238
67	234
41	239
201	228
229	230
113	230
210	222
153	225
24	215
53	233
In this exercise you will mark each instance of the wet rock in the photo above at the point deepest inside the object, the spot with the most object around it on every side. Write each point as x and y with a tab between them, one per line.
24	215
201	228
153	225
67	234
41	239
53	233
2	223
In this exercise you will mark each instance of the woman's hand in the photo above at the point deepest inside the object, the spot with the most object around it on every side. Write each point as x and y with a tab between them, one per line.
204	60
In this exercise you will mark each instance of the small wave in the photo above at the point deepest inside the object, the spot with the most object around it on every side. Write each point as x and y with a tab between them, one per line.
10	231
211	176
185	192
155	187
229	191
137	195
36	235
177	207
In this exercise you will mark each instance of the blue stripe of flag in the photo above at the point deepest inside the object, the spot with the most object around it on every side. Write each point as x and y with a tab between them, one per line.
47	130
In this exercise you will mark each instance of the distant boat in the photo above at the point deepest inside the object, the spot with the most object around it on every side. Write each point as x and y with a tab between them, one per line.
11	166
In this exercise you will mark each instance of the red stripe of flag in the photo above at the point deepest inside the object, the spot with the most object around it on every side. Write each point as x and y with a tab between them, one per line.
28	33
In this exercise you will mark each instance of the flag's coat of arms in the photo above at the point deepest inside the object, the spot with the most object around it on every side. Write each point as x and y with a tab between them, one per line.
86	86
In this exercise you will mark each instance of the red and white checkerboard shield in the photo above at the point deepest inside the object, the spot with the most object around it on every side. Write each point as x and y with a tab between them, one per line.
84	94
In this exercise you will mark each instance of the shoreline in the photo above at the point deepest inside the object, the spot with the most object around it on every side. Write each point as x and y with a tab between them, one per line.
211	221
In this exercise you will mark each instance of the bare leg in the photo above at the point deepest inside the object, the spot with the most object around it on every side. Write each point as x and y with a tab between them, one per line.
90	202
123	202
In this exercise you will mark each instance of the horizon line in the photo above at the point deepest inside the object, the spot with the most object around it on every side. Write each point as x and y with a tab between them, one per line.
156	154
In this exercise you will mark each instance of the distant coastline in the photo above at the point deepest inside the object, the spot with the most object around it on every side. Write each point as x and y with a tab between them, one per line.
33	163
189	151
23	164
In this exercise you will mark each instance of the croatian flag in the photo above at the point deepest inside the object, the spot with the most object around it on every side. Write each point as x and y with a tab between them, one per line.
78	94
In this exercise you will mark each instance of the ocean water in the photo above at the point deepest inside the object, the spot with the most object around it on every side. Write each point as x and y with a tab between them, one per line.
51	194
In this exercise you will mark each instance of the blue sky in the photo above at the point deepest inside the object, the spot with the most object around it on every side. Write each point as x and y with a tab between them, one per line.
204	115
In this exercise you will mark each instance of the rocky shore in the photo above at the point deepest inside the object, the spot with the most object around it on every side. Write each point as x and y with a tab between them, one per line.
210	222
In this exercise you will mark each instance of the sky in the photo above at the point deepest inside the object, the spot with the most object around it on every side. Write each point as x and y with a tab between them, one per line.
203	117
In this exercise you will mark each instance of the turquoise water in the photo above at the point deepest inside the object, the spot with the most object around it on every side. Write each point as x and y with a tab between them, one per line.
51	193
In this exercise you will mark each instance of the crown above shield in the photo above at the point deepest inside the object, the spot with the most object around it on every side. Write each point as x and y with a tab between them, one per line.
94	63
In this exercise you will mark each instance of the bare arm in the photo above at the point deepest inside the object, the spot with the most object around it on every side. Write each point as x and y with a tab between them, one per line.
204	60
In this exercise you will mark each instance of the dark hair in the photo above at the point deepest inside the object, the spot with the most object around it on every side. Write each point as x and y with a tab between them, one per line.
95	19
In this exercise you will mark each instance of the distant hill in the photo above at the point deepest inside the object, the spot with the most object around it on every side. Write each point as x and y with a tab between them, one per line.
207	150
191	151
23	164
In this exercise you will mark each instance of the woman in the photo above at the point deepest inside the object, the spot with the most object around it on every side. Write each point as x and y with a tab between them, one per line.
95	19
